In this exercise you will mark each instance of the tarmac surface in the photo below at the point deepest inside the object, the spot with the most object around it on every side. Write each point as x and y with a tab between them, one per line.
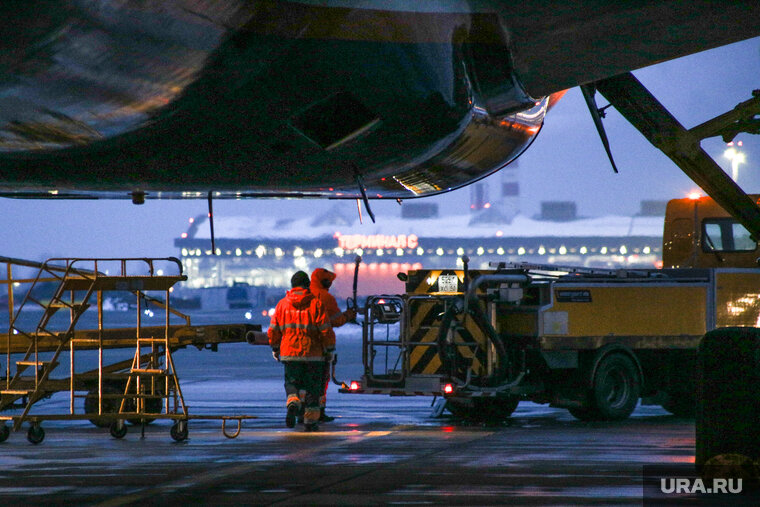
378	451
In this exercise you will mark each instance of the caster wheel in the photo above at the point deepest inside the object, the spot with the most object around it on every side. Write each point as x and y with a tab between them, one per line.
179	431
118	429
35	434
5	431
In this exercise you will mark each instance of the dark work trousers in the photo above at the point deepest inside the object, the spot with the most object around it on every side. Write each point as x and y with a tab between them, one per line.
305	376
326	383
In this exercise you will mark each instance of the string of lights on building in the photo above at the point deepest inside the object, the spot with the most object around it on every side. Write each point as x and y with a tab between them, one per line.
261	253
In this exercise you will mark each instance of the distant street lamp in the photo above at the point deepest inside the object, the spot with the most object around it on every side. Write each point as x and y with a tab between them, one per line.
736	157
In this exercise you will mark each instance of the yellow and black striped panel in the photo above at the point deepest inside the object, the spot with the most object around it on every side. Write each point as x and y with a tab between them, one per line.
425	325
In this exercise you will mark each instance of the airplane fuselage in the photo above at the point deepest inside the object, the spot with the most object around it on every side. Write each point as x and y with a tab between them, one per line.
273	97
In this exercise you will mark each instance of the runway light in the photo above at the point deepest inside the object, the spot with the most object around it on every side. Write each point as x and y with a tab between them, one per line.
354	385
448	389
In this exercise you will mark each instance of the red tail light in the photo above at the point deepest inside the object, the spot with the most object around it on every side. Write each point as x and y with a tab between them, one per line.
448	389
354	385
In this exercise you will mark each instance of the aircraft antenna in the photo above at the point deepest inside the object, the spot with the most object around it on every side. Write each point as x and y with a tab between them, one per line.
211	221
364	197
597	113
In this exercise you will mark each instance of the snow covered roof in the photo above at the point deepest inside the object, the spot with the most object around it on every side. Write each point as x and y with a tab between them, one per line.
249	227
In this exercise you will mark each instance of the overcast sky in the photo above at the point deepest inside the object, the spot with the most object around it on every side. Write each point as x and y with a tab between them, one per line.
566	162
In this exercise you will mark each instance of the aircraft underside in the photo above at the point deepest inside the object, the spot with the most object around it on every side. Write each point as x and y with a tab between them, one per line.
336	99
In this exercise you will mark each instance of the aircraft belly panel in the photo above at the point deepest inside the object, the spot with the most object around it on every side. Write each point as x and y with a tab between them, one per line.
298	98
406	99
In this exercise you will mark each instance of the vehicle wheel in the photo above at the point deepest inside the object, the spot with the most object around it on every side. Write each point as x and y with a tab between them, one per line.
110	405
35	434
5	432
616	387
179	431
483	409
118	428
681	404
152	405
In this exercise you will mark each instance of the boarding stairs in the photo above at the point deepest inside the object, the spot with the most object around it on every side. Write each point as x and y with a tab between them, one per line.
151	375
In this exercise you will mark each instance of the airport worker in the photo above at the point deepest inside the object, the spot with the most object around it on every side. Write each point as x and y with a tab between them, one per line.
300	335
321	280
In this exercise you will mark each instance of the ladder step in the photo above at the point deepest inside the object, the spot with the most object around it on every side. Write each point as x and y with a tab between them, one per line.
75	306
34	363
30	298
148	371
42	330
15	392
153	340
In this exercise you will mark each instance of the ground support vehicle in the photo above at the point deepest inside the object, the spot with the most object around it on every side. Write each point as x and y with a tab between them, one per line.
593	341
138	390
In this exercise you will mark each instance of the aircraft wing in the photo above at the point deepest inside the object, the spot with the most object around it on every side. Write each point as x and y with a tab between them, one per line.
334	99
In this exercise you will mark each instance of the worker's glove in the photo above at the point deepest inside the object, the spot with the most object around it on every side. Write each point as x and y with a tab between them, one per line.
329	355
276	354
350	314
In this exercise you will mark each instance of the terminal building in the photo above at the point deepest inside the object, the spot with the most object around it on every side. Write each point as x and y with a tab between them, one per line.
265	252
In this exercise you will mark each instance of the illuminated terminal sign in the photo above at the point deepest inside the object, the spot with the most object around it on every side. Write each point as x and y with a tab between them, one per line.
354	241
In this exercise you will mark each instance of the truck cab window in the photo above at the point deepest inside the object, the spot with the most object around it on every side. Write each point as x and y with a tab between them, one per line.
725	235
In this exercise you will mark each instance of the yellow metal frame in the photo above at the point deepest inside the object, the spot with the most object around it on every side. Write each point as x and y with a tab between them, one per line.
150	374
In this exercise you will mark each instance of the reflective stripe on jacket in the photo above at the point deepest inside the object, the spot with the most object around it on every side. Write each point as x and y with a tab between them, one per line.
337	318
300	327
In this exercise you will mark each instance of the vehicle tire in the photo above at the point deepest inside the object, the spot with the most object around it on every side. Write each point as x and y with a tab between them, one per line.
179	431
152	406
5	432
681	404
616	387
110	405
483	409
118	428
35	434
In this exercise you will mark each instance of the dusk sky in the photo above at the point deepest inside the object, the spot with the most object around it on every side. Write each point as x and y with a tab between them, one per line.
566	162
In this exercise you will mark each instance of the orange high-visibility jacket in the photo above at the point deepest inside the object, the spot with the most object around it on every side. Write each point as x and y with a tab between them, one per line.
300	328
337	318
